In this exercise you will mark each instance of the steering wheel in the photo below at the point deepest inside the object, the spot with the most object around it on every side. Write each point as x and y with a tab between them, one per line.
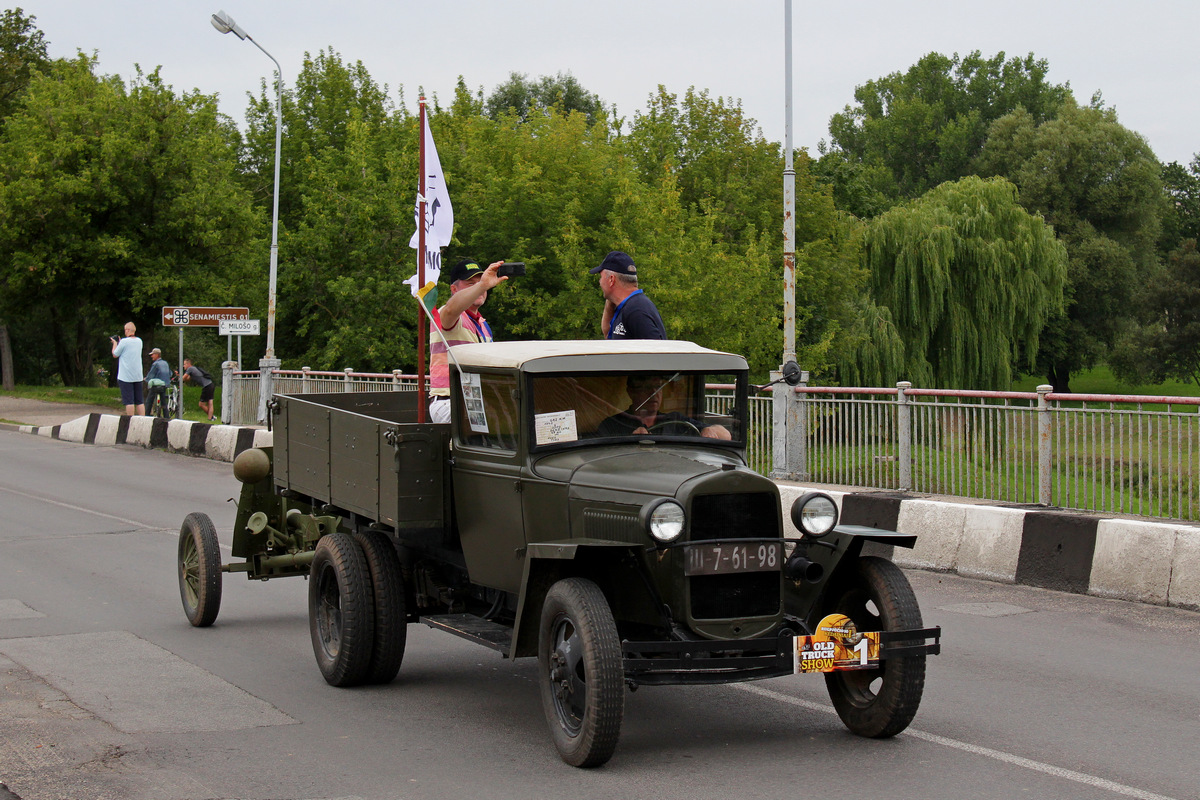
667	422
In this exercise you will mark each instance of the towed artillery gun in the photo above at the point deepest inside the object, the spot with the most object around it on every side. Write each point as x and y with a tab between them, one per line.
546	521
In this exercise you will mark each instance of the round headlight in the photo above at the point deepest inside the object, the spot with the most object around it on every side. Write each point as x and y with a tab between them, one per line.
664	520
815	514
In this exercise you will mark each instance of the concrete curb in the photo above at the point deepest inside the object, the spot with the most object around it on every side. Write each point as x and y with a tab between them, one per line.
216	442
1124	559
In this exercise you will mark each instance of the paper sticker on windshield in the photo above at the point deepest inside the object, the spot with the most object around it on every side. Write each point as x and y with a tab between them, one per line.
555	427
473	401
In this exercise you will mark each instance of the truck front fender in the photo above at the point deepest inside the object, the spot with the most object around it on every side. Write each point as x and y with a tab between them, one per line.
616	567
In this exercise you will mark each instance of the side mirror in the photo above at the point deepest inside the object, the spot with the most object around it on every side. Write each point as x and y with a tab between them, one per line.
792	375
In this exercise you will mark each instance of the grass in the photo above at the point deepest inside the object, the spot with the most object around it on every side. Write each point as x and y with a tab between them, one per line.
109	397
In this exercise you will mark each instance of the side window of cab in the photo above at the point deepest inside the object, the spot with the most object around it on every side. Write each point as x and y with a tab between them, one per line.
489	411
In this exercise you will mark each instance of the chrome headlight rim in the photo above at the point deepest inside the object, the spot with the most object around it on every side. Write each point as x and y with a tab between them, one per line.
664	520
815	515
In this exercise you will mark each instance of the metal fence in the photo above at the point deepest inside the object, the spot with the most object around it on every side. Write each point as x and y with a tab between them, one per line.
1120	454
1109	453
241	394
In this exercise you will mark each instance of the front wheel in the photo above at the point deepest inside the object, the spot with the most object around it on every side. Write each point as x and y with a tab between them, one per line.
582	676
341	610
199	567
879	702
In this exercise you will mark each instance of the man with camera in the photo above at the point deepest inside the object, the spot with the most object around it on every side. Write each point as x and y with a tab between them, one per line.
459	322
128	352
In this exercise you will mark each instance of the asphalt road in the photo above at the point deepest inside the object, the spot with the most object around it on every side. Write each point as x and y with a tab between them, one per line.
107	692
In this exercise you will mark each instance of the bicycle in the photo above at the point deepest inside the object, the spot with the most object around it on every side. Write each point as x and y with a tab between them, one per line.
172	404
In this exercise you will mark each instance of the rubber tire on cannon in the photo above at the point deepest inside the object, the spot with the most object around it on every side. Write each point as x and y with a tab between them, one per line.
582	673
199	566
878	703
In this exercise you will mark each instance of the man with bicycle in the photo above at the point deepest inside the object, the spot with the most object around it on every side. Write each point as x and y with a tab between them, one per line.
157	379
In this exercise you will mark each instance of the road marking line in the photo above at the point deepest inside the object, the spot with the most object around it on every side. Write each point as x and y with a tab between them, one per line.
1008	758
76	508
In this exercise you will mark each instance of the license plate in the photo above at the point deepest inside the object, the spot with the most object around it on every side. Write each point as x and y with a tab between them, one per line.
721	559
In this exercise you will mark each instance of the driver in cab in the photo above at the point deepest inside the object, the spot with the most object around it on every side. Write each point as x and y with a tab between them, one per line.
642	416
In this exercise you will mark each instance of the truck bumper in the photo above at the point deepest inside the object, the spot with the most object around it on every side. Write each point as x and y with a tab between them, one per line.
707	661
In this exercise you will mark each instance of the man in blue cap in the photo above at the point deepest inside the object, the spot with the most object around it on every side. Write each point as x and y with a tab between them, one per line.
628	313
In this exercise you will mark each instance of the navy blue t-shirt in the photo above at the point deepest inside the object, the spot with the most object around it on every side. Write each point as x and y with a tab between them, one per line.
636	318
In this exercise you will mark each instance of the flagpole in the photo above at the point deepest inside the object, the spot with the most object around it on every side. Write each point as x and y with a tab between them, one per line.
421	270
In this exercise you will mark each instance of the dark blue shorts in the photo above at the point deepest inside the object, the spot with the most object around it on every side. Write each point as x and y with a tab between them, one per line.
131	393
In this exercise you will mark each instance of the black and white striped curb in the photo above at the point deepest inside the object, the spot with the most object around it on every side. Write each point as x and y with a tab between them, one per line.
1126	559
219	442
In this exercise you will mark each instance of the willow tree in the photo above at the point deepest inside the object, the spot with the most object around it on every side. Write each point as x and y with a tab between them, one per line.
969	278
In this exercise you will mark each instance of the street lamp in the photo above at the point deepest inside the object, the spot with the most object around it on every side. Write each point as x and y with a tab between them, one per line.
225	24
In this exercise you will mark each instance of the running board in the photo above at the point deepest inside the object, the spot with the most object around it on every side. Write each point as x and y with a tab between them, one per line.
476	629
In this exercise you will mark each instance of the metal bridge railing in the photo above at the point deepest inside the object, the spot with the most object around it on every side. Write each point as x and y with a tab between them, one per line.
1125	454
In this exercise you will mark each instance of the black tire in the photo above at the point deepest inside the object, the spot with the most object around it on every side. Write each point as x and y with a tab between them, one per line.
199	566
387	588
881	702
341	610
582	675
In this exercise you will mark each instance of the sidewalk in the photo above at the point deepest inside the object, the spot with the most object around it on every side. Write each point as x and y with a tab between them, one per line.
41	412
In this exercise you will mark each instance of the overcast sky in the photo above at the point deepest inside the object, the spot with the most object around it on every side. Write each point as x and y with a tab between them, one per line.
1140	55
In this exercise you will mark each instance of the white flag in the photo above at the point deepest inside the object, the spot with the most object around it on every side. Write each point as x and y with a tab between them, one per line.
439	215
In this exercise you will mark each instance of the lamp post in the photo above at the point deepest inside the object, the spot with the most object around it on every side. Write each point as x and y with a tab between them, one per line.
269	363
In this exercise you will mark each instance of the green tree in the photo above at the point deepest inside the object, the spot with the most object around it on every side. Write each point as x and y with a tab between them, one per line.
723	166
1098	184
969	279
926	125
1168	344
524	97
115	201
1181	217
22	53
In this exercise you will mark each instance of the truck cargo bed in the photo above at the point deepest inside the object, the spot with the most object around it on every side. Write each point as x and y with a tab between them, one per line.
364	453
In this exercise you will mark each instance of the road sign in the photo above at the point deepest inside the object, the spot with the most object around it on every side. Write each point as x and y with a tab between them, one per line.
200	316
238	327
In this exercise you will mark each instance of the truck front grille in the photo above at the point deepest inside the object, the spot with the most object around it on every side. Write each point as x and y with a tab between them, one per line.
734	516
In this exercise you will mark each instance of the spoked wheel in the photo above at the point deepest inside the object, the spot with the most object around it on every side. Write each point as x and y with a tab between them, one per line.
387	585
199	566
879	702
582	677
341	610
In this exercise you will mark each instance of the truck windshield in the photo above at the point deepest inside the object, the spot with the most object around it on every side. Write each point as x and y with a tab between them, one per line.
679	406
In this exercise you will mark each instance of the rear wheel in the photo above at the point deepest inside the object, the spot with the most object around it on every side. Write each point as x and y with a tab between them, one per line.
582	677
387	588
341	610
199	567
880	702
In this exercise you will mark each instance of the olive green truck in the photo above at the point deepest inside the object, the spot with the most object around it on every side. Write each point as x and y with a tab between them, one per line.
589	505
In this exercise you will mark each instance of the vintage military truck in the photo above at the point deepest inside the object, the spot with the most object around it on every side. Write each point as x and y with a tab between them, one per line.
590	505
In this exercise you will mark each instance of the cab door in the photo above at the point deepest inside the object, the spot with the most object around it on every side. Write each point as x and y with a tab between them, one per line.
487	479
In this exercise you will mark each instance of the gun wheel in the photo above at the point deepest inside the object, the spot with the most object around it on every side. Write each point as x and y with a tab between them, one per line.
341	610
199	566
582	676
881	702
